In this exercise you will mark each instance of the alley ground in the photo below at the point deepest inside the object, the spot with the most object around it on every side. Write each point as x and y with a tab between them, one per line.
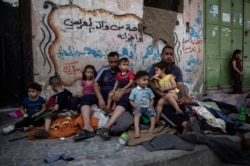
93	151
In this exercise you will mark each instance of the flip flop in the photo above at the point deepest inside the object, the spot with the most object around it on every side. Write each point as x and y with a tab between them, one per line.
83	134
104	133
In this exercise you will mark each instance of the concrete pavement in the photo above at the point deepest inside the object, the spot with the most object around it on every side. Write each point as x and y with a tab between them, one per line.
95	152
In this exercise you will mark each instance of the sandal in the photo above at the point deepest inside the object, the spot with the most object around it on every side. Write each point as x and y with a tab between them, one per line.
41	134
83	134
104	133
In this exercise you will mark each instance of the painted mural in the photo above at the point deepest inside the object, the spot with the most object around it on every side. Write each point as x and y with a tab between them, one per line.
71	34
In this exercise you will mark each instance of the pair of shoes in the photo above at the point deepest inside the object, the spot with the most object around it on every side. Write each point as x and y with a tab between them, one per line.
41	134
83	134
104	133
8	129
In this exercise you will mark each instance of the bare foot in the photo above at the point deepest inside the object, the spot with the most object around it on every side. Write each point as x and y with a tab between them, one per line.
185	126
73	114
137	135
151	130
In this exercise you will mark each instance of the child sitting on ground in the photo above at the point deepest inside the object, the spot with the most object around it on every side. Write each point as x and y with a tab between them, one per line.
32	107
142	100
58	109
124	80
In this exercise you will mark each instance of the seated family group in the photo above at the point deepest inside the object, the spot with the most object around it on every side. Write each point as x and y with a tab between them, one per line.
115	89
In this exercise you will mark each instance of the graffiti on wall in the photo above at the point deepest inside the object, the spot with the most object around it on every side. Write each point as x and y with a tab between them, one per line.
193	50
75	37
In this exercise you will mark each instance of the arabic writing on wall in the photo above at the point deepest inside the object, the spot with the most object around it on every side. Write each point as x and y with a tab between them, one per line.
83	37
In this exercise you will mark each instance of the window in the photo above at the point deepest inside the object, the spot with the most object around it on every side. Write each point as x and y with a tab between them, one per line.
174	5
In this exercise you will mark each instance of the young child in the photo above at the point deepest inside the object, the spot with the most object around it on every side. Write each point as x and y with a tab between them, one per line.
124	80
58	109
166	83
87	88
88	80
87	100
142	100
32	107
237	71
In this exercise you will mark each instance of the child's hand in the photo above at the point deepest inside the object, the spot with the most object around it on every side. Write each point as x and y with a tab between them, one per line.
150	106
162	89
35	115
138	107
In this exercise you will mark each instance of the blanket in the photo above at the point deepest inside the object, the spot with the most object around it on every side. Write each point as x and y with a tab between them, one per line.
66	127
230	101
147	136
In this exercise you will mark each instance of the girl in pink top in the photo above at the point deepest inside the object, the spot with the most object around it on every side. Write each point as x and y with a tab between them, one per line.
88	80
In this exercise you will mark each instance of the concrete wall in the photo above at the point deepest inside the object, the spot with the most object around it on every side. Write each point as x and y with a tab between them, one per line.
67	35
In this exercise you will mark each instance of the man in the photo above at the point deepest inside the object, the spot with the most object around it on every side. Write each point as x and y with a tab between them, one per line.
181	121
104	83
168	57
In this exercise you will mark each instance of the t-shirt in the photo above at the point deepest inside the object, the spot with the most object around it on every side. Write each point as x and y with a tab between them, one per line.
123	80
141	96
33	106
175	70
106	80
88	88
165	82
63	99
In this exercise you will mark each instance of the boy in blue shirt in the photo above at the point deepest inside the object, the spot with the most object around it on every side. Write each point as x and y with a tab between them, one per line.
142	100
32	107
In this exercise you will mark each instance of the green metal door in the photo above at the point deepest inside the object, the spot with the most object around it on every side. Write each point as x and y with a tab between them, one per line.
223	34
246	50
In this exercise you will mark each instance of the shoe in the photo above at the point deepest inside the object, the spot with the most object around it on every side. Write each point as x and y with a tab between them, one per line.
41	134
83	134
8	129
104	133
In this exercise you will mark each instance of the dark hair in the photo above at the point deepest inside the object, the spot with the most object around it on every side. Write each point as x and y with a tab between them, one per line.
167	46
112	54
55	80
237	51
124	59
34	85
88	67
163	66
141	73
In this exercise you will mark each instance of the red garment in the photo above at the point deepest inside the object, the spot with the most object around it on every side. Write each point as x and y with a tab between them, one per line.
238	65
124	79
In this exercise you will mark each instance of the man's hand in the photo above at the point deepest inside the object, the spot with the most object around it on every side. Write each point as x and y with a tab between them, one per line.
117	95
102	104
185	100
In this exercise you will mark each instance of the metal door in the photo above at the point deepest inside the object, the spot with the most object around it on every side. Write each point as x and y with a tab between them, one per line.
223	34
246	50
16	53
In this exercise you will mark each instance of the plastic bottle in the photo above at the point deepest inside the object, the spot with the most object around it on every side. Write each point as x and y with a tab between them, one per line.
242	114
121	141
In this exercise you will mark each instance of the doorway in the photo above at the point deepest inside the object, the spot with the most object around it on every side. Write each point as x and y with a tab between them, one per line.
16	64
